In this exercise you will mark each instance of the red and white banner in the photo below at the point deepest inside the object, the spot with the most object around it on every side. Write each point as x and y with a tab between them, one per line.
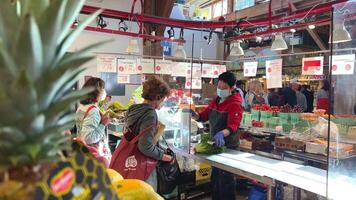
250	69
313	66
219	69
126	66
343	64
163	67
145	66
274	73
106	63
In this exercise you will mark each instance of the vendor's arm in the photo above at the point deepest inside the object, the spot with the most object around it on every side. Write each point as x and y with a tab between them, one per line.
204	115
233	119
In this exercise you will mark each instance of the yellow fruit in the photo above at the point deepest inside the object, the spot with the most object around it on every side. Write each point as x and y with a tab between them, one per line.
142	194
130	184
114	175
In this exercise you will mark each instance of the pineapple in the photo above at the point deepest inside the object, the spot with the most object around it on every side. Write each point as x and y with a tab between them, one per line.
35	73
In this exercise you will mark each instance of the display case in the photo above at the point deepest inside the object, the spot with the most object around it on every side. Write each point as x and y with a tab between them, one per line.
341	178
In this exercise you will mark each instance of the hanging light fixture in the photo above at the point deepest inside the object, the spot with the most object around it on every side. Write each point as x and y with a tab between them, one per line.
340	34
101	22
76	22
236	49
311	26
279	43
171	33
133	48
180	52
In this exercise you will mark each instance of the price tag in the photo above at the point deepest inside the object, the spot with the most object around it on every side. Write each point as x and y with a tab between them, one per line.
343	64
274	73
313	66
106	63
250	69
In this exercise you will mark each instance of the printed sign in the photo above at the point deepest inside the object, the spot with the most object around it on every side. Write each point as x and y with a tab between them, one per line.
179	69
146	66
207	71
125	66
194	71
250	69
313	66
167	48
343	64
163	67
193	83
274	73
123	78
106	63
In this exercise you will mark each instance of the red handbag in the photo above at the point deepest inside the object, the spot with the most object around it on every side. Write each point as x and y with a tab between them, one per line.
130	162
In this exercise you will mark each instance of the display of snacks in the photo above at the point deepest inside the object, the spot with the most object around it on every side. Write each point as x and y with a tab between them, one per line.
289	144
344	124
245	144
336	150
351	133
284	117
309	116
319	112
294	117
255	114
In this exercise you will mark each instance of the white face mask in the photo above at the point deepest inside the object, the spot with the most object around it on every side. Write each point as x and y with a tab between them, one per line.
223	93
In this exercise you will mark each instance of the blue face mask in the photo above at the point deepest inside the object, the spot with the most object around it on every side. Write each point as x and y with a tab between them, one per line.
223	93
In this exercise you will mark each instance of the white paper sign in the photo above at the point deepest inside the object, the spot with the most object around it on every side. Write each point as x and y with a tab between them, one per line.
106	63
207	71
126	66
221	69
123	78
250	69
179	69
274	73
193	83
195	69
313	66
145	66
163	67
343	64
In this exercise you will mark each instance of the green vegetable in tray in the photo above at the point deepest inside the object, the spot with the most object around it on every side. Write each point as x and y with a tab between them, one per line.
205	146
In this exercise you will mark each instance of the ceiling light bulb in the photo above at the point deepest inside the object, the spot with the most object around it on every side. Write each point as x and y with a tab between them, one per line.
236	49
293	30
180	52
279	43
133	46
340	34
312	26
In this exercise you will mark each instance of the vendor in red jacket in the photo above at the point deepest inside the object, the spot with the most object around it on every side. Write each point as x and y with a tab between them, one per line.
224	114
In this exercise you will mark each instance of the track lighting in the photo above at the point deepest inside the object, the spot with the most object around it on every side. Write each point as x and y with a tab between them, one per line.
312	26
236	49
123	26
209	38
293	30
171	33
101	22
340	34
76	22
279	43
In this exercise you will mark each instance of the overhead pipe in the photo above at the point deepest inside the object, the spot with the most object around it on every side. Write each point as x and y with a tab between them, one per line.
322	8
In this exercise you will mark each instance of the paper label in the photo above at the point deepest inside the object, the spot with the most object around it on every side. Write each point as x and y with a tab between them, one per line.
250	69
106	63
313	66
274	73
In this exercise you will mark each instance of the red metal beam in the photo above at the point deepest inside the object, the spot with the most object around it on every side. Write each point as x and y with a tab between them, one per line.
322	8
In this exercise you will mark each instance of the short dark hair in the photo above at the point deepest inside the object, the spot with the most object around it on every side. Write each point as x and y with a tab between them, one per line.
155	89
98	85
326	85
228	77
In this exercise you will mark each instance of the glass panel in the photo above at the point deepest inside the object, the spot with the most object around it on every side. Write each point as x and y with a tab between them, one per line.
342	134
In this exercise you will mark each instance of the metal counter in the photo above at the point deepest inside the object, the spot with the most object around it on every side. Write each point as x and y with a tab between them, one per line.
266	170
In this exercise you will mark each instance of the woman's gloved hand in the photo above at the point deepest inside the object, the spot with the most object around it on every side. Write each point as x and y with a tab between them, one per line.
219	139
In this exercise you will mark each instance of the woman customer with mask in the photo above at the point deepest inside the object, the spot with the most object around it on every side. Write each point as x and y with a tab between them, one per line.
224	114
91	123
141	125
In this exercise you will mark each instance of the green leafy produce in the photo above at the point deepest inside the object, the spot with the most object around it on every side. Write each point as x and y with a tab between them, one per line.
204	147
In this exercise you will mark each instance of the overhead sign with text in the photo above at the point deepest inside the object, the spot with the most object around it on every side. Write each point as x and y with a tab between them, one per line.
313	66
250	69
274	73
343	64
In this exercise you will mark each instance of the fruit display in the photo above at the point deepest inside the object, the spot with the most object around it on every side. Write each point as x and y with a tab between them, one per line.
206	146
255	123
262	107
289	143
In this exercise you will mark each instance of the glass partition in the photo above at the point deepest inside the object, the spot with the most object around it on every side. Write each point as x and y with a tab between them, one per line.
342	124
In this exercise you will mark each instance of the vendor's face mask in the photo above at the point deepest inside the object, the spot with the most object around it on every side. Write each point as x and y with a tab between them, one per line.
223	93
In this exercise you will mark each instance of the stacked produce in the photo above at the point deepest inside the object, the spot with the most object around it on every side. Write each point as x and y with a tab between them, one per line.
206	146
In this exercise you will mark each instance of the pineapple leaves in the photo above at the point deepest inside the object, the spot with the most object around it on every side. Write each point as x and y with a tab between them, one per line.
71	12
50	24
28	50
